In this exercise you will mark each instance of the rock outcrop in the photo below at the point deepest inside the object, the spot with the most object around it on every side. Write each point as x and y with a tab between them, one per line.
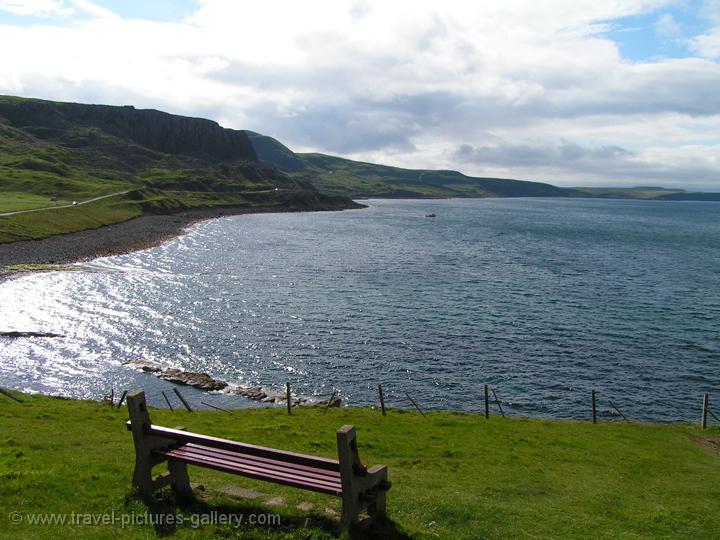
156	130
15	334
190	378
205	382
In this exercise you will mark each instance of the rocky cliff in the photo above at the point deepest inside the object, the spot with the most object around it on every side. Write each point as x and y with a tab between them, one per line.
155	130
121	163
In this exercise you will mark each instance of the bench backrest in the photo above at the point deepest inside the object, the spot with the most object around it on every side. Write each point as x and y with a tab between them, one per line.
242	448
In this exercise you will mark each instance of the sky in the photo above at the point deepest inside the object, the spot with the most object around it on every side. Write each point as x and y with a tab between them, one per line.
572	92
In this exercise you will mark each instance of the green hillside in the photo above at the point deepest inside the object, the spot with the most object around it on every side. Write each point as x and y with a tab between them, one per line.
53	154
339	176
639	192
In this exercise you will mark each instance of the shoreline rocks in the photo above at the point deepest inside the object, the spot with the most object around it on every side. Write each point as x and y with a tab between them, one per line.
135	234
190	378
15	334
204	381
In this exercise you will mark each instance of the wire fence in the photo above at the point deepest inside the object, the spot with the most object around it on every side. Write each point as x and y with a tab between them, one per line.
175	398
600	408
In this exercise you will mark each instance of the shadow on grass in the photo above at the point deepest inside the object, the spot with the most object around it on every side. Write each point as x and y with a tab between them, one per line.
227	518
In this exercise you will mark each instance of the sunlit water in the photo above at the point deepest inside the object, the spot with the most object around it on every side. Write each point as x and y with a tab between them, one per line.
543	300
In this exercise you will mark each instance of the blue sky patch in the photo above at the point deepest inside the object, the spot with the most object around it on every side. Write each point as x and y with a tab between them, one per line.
663	33
155	10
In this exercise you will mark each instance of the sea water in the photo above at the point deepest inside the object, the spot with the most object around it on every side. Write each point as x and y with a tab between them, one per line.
544	300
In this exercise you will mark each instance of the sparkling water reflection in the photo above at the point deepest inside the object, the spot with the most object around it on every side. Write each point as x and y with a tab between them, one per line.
544	299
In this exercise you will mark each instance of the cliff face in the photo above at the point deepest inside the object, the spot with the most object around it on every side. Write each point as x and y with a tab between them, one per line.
156	130
146	161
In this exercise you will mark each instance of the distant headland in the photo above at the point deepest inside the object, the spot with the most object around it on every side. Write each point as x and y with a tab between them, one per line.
70	170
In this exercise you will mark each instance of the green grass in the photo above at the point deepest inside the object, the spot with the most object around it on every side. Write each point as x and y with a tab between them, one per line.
13	202
455	475
36	225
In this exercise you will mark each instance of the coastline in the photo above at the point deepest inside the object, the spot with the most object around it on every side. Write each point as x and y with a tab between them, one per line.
136	234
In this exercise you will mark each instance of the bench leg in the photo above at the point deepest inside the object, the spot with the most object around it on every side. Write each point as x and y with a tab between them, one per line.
180	480
349	461
145	460
350	511
378	506
139	418
142	479
361	488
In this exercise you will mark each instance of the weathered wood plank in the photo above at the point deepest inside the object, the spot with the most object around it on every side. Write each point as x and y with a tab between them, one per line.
278	478
302	470
243	448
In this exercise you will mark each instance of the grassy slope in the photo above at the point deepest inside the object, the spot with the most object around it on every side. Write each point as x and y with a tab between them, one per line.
628	193
339	176
357	179
455	476
648	193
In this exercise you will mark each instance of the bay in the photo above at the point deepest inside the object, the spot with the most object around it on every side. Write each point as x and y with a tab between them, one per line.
542	299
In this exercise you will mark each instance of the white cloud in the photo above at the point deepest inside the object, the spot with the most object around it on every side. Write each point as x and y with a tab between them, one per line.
400	82
567	161
710	10
37	8
667	26
49	8
87	7
708	44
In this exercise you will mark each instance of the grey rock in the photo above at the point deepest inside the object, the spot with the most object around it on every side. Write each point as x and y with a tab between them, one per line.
15	334
144	366
190	378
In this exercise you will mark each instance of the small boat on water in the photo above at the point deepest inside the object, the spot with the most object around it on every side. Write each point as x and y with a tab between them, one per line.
430	215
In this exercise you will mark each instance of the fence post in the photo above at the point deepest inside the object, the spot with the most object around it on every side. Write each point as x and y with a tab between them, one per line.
487	403
619	411
703	421
215	407
416	405
594	408
497	401
329	402
187	405
167	400
8	394
288	397
122	399
382	399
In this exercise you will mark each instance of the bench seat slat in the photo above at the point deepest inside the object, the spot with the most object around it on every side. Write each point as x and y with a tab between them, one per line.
300	470
275	469
244	448
288	479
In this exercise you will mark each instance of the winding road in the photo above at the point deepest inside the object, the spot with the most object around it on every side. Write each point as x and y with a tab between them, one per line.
5	214
64	205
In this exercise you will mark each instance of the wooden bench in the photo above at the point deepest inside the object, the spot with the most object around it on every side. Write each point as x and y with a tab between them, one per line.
360	488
